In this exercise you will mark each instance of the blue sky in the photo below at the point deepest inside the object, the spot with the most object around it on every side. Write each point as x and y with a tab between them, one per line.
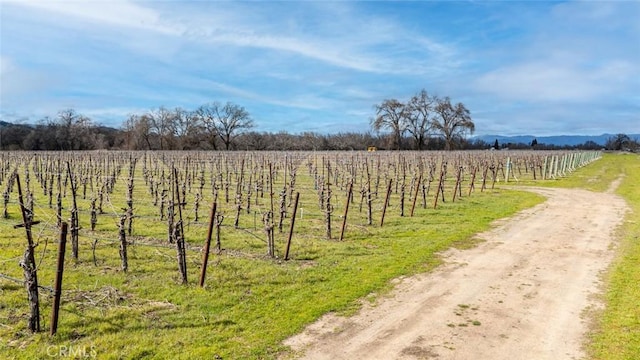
529	67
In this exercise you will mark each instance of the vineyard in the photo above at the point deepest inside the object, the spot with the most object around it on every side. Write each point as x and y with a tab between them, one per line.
204	254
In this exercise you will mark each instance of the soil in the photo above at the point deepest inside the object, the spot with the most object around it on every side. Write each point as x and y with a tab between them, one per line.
526	292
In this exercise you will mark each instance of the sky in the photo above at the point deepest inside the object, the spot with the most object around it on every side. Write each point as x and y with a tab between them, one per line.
521	67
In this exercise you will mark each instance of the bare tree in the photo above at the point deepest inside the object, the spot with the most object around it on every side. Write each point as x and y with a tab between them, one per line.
391	115
419	113
72	130
253	141
162	121
186	127
232	120
621	142
452	122
207	116
138	132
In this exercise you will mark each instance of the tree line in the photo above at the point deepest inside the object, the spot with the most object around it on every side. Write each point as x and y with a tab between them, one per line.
424	122
211	126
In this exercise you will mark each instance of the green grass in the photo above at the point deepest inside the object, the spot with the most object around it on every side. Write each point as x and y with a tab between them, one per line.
617	335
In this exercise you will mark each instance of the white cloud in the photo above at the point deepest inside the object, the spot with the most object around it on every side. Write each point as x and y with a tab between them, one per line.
21	85
341	37
558	82
100	114
538	82
580	52
314	50
338	35
114	12
5	65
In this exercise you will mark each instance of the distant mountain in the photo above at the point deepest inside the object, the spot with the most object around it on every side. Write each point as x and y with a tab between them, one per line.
558	140
4	124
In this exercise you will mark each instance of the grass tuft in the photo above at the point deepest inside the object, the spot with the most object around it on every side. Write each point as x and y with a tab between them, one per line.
617	335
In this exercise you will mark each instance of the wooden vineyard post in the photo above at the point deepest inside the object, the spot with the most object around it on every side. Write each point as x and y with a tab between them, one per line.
425	189
328	210
293	221
386	202
283	208
171	218
292	185
440	187
473	179
271	186
458	185
249	193
5	212
369	198
268	229
100	199
484	178
129	211
50	191
219	219
28	264
377	177
94	215
236	222
443	176
75	223
59	207
57	292
346	210
239	185
123	243
207	244
494	175
178	230
415	197
402	195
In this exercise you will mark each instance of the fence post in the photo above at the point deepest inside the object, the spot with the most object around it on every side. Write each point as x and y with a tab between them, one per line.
346	210
386	202
75	222
293	220
207	245
58	284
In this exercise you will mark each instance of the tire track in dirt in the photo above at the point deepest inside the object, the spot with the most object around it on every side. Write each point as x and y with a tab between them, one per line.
521	294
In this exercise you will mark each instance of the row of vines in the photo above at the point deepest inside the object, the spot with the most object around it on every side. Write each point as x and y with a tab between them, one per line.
250	205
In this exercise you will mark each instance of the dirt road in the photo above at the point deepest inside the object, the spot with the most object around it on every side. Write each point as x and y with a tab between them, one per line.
525	293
